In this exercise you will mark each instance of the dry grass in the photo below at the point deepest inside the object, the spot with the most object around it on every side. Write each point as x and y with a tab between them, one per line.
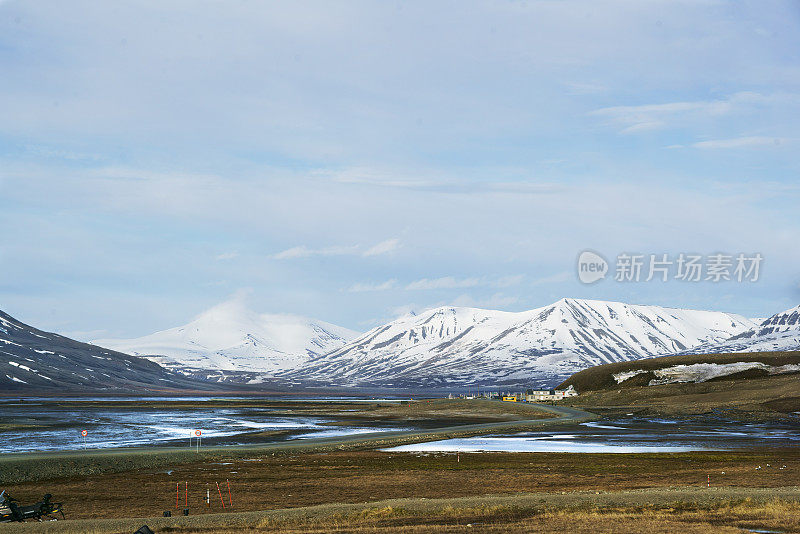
301	480
733	517
775	515
775	397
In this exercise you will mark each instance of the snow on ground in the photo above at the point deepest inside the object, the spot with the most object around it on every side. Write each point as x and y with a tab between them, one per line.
703	372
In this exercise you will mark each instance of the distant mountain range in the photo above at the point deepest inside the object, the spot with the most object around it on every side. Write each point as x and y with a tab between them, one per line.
440	348
33	360
781	332
449	346
230	340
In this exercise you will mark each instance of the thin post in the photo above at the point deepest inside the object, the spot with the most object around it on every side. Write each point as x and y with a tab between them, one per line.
177	493
220	496
229	492
186	493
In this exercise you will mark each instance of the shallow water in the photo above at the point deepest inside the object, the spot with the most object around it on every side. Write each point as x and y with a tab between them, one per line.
54	427
628	435
522	444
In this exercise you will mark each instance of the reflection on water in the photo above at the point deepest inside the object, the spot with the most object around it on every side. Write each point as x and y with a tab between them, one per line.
43	426
40	426
629	435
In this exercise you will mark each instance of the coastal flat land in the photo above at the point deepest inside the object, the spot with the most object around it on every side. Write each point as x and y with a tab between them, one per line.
264	482
420	413
466	418
346	485
512	492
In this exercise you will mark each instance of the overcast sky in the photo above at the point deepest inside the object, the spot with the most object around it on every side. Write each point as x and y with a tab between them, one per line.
351	161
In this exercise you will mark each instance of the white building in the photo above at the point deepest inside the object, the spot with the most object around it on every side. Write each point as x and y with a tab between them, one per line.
541	395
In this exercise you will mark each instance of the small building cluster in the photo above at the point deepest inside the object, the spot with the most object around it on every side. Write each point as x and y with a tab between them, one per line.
543	395
530	395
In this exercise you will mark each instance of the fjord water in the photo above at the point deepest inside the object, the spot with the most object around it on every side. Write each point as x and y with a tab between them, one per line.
46	424
40	424
631	434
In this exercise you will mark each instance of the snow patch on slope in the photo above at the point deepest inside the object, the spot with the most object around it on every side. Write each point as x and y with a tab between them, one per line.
702	372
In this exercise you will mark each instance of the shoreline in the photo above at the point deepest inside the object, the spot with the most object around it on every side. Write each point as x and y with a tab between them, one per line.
16	468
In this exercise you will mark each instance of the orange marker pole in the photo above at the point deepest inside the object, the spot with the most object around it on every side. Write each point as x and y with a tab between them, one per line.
186	493
220	496
177	490
229	492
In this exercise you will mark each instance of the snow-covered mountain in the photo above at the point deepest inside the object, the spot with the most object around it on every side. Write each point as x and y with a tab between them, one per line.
32	360
447	346
230	337
777	333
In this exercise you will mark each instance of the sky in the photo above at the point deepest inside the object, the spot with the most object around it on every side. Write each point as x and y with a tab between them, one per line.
354	161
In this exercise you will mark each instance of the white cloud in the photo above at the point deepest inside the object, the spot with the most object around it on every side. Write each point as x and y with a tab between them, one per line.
446	282
553	279
743	142
365	287
633	119
498	301
643	127
451	282
384	247
585	88
302	251
367	176
226	256
648	117
508	281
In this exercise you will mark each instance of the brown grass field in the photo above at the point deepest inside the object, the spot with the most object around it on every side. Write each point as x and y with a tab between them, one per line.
366	490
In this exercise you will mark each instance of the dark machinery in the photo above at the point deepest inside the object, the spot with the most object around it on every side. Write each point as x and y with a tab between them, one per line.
10	510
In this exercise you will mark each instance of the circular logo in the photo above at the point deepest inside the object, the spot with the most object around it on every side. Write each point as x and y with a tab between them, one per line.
84	433
591	267
197	433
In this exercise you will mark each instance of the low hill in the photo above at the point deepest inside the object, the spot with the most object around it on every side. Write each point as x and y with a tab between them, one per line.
694	368
765	382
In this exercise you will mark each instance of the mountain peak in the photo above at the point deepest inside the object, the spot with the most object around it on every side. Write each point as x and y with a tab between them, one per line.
230	336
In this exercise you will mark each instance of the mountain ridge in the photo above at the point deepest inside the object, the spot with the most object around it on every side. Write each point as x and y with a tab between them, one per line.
780	332
35	360
451	345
